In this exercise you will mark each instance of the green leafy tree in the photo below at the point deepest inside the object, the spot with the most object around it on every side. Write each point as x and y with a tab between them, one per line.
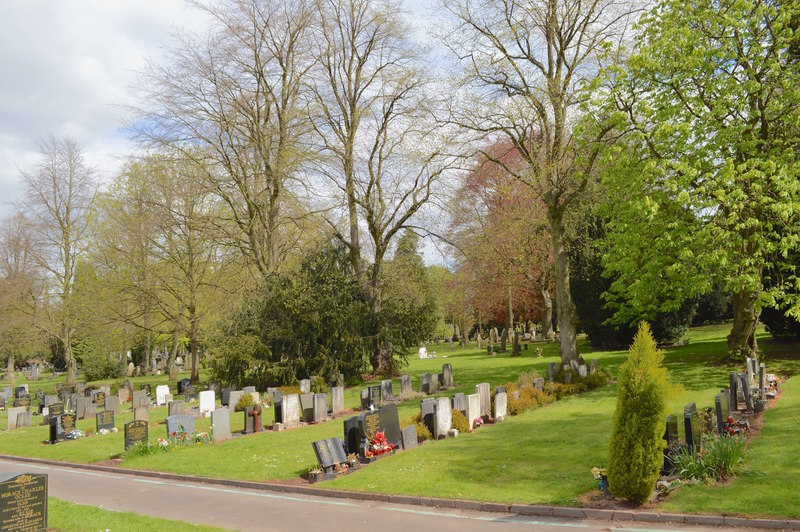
636	438
706	180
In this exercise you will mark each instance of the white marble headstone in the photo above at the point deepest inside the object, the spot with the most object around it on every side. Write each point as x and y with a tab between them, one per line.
207	399
161	394
473	408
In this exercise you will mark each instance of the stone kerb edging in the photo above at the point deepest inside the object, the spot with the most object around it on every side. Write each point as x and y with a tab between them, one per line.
458	504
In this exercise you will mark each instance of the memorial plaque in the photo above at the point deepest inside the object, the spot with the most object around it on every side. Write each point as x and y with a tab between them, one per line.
23	502
61	426
135	432
104	420
100	400
56	409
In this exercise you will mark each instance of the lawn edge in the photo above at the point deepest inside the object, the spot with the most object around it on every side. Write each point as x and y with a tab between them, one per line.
538	510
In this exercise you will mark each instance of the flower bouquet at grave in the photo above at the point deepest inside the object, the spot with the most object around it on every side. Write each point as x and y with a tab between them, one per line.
203	438
477	423
378	445
75	434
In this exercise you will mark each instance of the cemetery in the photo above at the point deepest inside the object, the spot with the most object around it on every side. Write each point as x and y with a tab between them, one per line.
531	432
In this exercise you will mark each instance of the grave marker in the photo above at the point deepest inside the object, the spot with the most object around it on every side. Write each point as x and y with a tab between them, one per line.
720	415
177	423
443	418
23	420
61	426
387	392
473	408
221	424
460	403
56	409
307	406
175	408
447	375
233	399
104	420
23	502
337	399
135	432
161	394
500	406
100	399
482	390
352	437
112	403
408	437
207	400
320	407
290	409
405	384
427	408
141	413
305	386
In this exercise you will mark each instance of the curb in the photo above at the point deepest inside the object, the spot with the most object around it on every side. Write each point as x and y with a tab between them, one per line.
564	512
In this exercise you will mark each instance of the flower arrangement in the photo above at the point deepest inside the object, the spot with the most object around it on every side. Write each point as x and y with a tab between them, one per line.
378	445
477	423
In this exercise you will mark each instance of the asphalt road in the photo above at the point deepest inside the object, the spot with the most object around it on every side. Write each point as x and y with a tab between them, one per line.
245	509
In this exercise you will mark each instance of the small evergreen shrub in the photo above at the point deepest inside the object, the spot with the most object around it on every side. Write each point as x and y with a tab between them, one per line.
460	422
318	385
636	439
423	433
245	402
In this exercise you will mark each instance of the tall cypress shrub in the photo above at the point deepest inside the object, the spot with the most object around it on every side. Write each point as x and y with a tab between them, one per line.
636	439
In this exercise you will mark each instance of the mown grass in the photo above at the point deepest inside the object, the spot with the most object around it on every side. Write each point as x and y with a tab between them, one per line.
68	517
543	456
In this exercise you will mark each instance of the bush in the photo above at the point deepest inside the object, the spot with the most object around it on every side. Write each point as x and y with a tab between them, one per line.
720	458
141	449
460	422
423	433
245	402
318	385
636	440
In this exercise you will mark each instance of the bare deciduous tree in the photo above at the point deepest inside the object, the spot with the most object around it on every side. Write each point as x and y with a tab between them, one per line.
525	64
59	192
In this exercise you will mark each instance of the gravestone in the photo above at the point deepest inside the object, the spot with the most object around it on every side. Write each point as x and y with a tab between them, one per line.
405	384
141	413
744	380
135	432
337	400
365	399
100	399
762	380
552	370
305	386
61	426
320	407
408	437
369	424
252	419
233	399
56	409
104	420
307	406
139	399
567	378
177	423
324	455
123	395
249	389
387	392
720	414
733	386
226	394
593	366
693	430
161	394
490	350
443	418
90	411
112	403
390	424
499	389
538	384
190	394
447	375
352	437
23	420
277	403
207	400
215	386
19	391
147	389
482	390
375	396
582	370
23	502
175	408
182	385
221	424
426	412
73	402
500	406
460	403
671	437
50	399
473	408
425	383
290	409
23	401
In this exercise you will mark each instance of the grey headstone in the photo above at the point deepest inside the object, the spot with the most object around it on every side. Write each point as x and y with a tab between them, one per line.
733	386
307	406
337	399
473	408
375	395
409	437
762	379
290	409
500	406
447	375
23	420
582	370
221	424
365	399
249	389
694	434
593	366
175	423
141	413
425	383
225	397
50	399
352	437
538	384
387	392
482	390
175	408
139	399
112	403
305	386
552	370
443	418
324	455
320	407
233	399
426	411
719	414
405	384
460	403
90	411
744	380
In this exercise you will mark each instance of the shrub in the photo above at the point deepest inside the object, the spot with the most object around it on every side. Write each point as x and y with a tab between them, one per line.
141	449
526	378
720	458
460	422
318	385
422	432
245	402
636	440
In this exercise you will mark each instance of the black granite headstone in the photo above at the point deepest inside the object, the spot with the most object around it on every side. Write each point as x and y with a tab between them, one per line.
104	420
135	432
352	437
23	502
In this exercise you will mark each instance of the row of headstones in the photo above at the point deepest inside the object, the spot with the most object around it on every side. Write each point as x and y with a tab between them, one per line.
374	396
573	365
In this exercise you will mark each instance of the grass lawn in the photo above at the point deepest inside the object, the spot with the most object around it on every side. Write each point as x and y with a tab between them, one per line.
67	516
543	456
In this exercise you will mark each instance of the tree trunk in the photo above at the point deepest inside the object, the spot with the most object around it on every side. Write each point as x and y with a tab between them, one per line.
547	314
742	338
72	366
194	350
568	348
147	345
509	311
172	368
